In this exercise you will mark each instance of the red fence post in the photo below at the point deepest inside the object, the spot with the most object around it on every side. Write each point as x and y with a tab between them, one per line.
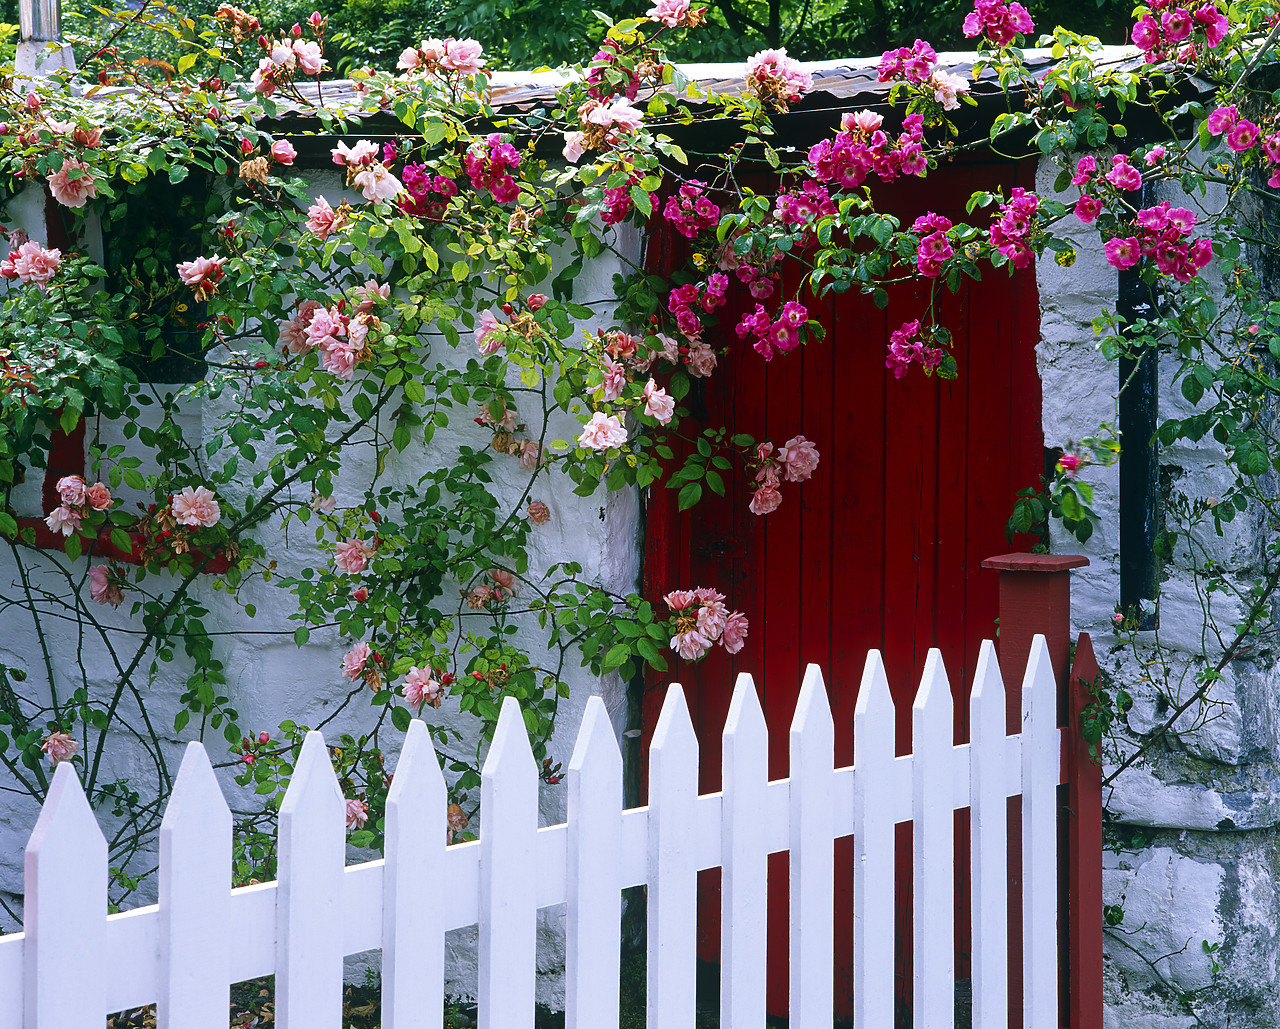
1035	597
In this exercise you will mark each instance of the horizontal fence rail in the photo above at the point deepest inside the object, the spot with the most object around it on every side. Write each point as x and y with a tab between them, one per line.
75	963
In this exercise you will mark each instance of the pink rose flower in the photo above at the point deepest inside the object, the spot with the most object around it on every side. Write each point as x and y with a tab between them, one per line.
701	359
1069	463
602	432
538	512
861	121
1222	119
1123	175
773	70
73	184
201	270
658	403
487	339
33	263
765	499
98	496
462	56
678	600
575	145
530	454
712	616
669	12
310	59
72	489
355	660
283	152
504	583
58	746
321	218
615	380
419	688
376	183
196	508
735	632
360	155
1153	156
63	520
690	645
103	589
351	556
1088	208
357	814
325	505
1242	135
537	301
800	457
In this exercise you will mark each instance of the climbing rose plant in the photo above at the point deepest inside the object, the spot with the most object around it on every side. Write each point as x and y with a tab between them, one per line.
341	332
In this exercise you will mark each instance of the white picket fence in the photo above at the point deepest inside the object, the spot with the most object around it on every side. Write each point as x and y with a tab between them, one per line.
74	963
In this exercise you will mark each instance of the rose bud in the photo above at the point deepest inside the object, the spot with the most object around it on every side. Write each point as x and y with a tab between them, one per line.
246	147
296	30
362	594
316	19
4	128
264	737
507	309
537	301
259	364
262	42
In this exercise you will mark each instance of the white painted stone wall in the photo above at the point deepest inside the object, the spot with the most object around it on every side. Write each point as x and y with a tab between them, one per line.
271	679
1196	854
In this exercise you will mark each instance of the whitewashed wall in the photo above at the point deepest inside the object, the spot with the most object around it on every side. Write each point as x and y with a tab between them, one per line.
271	679
1197	858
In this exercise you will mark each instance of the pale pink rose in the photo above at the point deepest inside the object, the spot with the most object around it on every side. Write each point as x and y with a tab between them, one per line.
602	432
98	496
362	154
712	617
507	420
618	113
690	645
575	145
339	358
263	80
371	295
537	301
355	660
800	458
669	12
351	556
863	121
462	56
193	273
69	191
658	403
538	512
63	520
432	50
72	489
735	632
294	334
90	137
419	687
678	600
770	66
102	589
479	595
196	508
281	54
59	747
283	152
504	583
765	499
530	454
376	183
615	380
310	59
321	218
357	814
701	359
487	339
409	59
33	263
324	505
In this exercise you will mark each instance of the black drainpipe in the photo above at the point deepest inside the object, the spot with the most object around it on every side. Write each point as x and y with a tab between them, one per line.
1139	467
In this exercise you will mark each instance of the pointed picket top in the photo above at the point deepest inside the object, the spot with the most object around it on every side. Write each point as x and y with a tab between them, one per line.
675	727
988	778
309	897
412	926
510	747
66	910
195	898
812	861
596	750
932	708
874	698
594	908
813	706
507	954
745	722
314	780
1039	687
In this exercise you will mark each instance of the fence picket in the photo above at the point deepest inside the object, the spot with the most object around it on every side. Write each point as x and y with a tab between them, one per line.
195	900
744	882
673	871
312	852
873	736
595	891
65	869
989	820
1040	767
508	876
933	848
412	909
812	856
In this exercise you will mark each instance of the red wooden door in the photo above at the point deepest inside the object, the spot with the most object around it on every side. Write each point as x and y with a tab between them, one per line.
881	548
